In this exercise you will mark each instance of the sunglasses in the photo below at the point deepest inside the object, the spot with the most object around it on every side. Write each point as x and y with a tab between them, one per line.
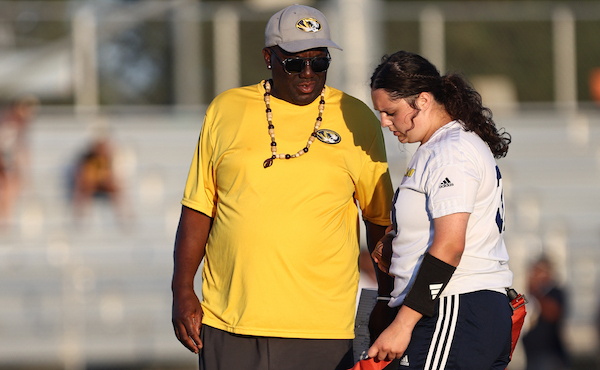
297	65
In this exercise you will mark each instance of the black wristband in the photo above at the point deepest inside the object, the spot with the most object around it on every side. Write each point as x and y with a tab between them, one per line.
432	277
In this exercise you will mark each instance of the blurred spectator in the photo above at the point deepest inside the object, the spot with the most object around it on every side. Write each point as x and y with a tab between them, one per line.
594	82
597	323
14	153
93	177
543	343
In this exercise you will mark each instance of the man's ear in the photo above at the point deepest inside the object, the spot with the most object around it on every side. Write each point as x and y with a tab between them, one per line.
267	56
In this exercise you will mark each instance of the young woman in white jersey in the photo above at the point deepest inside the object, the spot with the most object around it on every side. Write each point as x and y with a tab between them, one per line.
449	260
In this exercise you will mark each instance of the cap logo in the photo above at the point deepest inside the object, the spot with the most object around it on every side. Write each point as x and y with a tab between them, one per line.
308	25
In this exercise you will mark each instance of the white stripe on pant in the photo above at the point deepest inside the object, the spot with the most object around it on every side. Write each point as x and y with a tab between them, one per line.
444	333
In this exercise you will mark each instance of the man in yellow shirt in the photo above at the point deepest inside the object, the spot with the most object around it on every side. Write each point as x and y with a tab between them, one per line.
270	203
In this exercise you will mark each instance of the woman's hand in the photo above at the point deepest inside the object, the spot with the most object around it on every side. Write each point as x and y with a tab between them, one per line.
394	340
391	344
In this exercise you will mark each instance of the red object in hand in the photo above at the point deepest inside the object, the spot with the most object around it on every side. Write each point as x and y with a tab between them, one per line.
370	364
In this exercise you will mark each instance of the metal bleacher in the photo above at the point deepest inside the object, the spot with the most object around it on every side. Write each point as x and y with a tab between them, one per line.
96	293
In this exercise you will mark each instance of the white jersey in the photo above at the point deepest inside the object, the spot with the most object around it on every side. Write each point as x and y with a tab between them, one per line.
454	171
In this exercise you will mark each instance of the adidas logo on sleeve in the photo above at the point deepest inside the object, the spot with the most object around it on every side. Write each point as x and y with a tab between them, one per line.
446	183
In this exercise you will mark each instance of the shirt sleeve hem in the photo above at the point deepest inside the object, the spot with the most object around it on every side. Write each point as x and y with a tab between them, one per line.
198	207
450	211
378	220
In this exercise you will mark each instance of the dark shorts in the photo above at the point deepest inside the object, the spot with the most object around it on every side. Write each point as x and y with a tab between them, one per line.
467	331
226	351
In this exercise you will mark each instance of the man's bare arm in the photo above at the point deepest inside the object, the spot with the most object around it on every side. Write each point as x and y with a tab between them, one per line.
190	242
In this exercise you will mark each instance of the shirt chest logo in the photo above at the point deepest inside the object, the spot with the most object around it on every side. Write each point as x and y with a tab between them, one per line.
446	183
328	136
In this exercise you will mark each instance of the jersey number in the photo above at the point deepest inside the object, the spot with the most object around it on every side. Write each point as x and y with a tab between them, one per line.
500	213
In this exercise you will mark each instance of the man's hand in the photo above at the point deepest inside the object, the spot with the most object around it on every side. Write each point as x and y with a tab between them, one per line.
187	319
382	254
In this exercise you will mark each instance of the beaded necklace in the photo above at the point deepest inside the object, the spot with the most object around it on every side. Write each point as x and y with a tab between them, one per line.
269	161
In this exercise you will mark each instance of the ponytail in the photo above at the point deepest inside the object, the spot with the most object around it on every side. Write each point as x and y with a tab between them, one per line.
463	103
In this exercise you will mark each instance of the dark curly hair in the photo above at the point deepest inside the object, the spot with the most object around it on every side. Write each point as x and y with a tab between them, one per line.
406	75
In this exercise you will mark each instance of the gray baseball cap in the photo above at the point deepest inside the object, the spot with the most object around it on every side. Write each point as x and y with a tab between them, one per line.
298	28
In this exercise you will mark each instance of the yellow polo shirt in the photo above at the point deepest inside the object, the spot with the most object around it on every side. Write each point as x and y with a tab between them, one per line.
282	256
